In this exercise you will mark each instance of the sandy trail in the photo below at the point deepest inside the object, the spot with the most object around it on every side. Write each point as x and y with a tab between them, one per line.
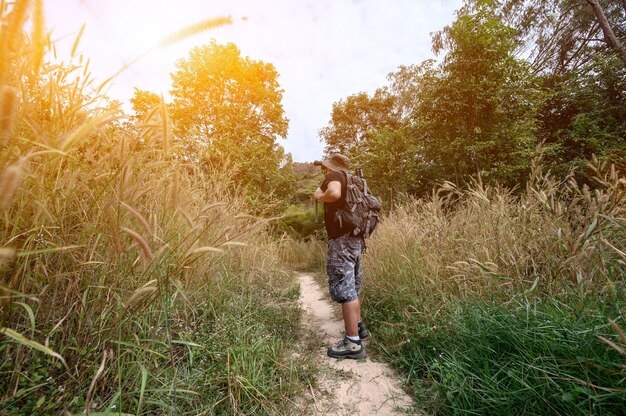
346	387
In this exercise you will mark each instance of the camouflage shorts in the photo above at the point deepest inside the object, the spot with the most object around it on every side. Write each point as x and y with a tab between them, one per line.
344	268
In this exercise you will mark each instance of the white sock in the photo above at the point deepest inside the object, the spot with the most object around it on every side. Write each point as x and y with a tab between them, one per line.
354	339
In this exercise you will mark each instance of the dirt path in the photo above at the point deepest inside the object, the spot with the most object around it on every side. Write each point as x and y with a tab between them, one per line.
346	387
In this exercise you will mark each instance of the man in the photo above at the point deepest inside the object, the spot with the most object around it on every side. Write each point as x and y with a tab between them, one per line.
344	257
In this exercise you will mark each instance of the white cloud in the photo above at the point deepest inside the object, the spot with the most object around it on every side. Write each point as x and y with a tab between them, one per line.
324	50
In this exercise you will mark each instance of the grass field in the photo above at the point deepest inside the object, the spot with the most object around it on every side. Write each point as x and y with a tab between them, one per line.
135	281
494	303
131	280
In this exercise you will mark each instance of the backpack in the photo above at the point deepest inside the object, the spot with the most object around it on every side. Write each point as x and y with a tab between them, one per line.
361	213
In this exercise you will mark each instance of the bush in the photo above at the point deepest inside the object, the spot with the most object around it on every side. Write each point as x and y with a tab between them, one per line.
301	225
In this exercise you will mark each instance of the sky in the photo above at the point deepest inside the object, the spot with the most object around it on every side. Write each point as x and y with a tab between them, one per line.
323	50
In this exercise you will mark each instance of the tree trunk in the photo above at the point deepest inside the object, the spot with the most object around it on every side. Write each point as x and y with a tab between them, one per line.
609	36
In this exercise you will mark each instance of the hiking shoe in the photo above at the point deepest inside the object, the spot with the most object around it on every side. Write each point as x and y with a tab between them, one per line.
347	349
363	332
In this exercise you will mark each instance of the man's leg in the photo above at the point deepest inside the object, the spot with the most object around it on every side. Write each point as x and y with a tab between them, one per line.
351	314
342	253
358	281
350	346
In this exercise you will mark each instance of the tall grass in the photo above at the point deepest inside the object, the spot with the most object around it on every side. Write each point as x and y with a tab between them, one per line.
302	255
131	280
496	303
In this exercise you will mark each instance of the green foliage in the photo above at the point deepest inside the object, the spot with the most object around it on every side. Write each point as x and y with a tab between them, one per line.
473	114
308	179
583	115
301	225
390	165
478	116
352	120
299	219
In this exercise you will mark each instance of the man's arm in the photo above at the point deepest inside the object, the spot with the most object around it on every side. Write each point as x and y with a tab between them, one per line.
332	194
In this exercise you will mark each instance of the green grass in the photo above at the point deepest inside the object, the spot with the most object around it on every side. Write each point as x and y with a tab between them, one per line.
231	355
245	340
527	357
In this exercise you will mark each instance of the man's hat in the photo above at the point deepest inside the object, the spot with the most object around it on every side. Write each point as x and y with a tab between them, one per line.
336	162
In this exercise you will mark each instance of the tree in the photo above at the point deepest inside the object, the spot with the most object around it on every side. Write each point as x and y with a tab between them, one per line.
562	35
577	47
584	116
229	108
513	74
371	131
143	103
477	109
353	118
609	36
219	94
393	164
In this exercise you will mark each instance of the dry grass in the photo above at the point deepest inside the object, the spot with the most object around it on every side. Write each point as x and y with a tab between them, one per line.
8	112
485	240
109	242
302	255
492	302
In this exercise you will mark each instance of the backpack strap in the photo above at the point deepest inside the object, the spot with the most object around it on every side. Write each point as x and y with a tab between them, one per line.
339	219
350	190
